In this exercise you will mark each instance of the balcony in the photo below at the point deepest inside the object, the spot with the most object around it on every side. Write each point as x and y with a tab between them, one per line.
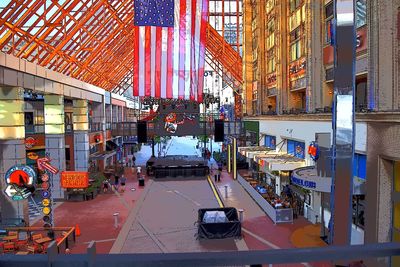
34	128
95	127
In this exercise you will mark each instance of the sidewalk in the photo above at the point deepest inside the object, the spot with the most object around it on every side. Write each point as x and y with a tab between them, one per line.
258	229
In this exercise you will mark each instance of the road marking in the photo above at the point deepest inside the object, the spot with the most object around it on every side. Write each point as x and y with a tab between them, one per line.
101	241
187	198
154	238
221	205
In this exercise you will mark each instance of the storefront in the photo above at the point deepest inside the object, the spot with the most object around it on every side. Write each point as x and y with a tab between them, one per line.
252	129
277	167
311	191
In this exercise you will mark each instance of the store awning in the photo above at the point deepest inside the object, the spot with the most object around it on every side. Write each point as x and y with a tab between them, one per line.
280	162
249	152
102	156
111	146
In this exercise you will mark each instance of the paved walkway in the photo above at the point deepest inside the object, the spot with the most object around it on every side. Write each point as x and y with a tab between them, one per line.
164	221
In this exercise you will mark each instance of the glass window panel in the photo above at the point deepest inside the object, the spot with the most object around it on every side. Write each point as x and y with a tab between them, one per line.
361	13
397	176
396	216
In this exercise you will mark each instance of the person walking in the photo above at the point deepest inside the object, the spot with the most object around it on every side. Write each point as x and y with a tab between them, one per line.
116	182
123	182
138	171
219	173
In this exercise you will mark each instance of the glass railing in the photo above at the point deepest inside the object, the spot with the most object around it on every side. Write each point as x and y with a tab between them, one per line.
34	128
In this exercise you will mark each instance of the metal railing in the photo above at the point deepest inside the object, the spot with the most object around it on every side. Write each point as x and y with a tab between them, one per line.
227	258
34	128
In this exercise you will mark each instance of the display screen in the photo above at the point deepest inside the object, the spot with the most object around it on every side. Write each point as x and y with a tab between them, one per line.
176	118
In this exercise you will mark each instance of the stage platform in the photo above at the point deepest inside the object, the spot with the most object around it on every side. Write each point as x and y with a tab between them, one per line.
177	167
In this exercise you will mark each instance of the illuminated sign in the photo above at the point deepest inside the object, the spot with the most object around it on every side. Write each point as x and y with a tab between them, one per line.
30	142
20	180
74	179
32	155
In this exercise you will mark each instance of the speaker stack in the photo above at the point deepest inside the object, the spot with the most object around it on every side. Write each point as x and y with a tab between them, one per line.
219	131
142	131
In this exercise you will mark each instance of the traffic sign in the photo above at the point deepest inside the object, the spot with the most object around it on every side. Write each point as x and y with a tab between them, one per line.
45	194
45	185
43	164
46	202
46	210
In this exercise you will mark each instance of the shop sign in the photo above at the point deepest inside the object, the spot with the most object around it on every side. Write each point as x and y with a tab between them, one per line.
32	155
30	142
320	184
19	182
304	183
73	179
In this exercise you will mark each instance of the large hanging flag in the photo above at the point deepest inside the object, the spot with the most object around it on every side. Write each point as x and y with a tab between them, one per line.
169	51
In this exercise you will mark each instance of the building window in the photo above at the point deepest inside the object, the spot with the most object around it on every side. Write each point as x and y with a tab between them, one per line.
270	141
271	65
296	148
361	13
295	4
328	22
269	6
360	166
361	95
270	34
296	44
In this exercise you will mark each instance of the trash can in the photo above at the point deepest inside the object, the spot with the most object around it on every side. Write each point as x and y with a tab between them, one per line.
141	182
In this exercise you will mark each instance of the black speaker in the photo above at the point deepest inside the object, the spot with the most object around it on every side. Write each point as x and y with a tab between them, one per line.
219	131
142	131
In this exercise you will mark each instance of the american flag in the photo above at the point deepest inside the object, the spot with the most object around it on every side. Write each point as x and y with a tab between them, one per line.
170	48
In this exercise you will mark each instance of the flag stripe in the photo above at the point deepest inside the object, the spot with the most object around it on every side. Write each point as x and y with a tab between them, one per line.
197	46
136	62
163	65
204	15
153	61
171	63
176	55
141	60
192	67
147	49
158	62
182	48
188	44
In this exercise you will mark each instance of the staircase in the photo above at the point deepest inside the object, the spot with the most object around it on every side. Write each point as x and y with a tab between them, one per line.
223	59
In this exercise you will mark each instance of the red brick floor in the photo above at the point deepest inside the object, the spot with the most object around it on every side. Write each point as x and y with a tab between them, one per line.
95	217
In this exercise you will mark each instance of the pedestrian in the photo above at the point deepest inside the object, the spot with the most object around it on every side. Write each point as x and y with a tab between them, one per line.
116	182
123	182
105	185
219	174
138	171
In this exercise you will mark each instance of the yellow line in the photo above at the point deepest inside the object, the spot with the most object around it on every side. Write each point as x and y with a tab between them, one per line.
221	205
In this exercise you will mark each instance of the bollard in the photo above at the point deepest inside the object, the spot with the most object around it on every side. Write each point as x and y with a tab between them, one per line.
116	219
241	214
226	191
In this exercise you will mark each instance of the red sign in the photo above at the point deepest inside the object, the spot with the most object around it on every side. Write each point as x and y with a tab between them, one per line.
74	179
30	142
43	164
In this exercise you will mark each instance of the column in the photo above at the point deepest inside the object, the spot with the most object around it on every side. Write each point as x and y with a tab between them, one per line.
55	139
12	147
247	58
81	135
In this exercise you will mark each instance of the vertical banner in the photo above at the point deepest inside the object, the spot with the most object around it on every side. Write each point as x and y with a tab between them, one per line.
229	159
234	158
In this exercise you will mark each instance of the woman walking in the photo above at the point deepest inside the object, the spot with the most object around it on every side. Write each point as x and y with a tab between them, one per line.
123	182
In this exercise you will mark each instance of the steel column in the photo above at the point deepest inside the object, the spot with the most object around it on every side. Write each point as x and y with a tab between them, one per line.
343	123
